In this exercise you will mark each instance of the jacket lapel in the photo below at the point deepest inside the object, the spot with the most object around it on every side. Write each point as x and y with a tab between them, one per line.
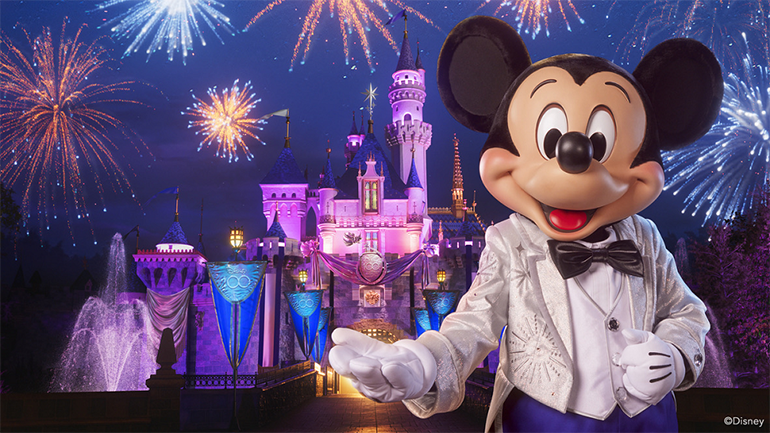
637	294
548	286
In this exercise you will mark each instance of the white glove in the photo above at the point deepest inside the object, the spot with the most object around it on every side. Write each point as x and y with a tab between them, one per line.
653	367
383	372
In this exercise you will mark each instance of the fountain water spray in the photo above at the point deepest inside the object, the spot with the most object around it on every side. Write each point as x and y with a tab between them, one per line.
111	348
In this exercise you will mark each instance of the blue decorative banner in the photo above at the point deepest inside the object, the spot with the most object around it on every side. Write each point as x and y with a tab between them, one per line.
238	288
421	320
305	313
319	348
440	303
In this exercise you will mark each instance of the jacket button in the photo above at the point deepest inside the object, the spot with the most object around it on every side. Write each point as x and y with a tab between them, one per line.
621	394
613	324
698	360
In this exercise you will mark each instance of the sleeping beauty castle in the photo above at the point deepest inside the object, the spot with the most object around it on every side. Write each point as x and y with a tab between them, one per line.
381	260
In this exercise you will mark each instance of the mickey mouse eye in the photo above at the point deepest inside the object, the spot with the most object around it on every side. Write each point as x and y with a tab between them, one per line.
551	126
601	131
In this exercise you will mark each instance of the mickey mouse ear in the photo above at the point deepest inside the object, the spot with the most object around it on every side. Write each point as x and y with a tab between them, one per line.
683	81
480	59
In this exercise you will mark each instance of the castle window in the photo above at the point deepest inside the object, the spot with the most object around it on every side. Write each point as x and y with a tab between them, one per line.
273	196
294	195
283	195
407	117
372	241
371	195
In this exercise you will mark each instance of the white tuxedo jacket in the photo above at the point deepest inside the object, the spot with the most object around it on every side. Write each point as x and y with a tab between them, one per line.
518	285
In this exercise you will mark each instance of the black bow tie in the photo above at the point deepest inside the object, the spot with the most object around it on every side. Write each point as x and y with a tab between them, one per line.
573	259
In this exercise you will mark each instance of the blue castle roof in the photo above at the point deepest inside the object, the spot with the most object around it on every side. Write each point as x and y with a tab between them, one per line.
418	61
456	227
285	171
354	129
393	186
328	179
413	181
276	231
174	235
405	60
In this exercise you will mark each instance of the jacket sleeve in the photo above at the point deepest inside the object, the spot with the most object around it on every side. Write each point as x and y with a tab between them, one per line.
680	316
470	333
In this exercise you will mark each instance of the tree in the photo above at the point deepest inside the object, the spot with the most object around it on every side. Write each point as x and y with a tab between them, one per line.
731	273
11	213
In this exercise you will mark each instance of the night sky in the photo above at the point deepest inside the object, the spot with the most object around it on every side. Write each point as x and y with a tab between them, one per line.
322	94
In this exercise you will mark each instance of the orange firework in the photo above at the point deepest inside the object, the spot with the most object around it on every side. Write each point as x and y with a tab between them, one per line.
226	120
354	16
532	16
52	131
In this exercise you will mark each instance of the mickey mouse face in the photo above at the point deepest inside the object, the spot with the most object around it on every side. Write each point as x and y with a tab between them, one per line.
574	143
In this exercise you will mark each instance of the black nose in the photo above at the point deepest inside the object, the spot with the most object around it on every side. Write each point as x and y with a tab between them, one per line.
574	152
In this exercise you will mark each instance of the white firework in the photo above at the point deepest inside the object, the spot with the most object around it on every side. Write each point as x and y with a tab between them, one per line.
723	171
169	23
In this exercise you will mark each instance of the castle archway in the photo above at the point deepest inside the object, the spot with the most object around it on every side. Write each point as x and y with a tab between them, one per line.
379	330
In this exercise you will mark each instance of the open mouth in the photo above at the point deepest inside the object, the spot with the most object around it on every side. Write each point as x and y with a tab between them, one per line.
565	220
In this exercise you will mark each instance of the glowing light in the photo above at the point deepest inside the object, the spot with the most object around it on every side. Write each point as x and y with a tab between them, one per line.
355	17
718	24
173	23
49	118
532	16
724	171
225	120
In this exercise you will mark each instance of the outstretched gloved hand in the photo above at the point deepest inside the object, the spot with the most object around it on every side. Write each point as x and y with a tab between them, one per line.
383	372
653	367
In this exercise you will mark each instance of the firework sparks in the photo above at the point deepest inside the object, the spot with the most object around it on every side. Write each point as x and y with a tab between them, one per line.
723	170
166	22
52	131
356	17
226	120
532	16
718	24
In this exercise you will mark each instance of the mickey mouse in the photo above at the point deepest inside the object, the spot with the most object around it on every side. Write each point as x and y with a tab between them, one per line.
595	325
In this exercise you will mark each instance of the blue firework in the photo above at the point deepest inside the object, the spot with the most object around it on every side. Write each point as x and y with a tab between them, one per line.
722	172
169	23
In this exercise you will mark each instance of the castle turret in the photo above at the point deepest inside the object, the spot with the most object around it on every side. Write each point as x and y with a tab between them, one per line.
327	190
355	137
408	130
415	207
284	190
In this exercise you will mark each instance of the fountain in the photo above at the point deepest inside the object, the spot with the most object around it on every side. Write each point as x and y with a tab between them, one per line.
716	370
111	348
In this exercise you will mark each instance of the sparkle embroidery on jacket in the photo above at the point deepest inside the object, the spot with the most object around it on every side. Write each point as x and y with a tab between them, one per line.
534	354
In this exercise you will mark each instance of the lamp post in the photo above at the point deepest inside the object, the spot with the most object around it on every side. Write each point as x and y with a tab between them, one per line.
236	240
302	274
441	277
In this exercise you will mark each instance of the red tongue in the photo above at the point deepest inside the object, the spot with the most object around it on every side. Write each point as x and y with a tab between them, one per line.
567	219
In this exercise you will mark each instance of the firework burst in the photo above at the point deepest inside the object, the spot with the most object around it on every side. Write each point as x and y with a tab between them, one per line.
225	120
173	23
718	24
532	16
724	170
355	17
52	131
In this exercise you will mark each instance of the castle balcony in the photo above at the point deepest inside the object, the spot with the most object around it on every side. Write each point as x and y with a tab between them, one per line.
406	93
406	84
327	219
369	222
414	218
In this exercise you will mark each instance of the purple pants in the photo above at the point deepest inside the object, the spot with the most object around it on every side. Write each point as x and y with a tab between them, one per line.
521	413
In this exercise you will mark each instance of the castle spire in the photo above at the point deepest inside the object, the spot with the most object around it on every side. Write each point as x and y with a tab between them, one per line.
405	59
457	183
